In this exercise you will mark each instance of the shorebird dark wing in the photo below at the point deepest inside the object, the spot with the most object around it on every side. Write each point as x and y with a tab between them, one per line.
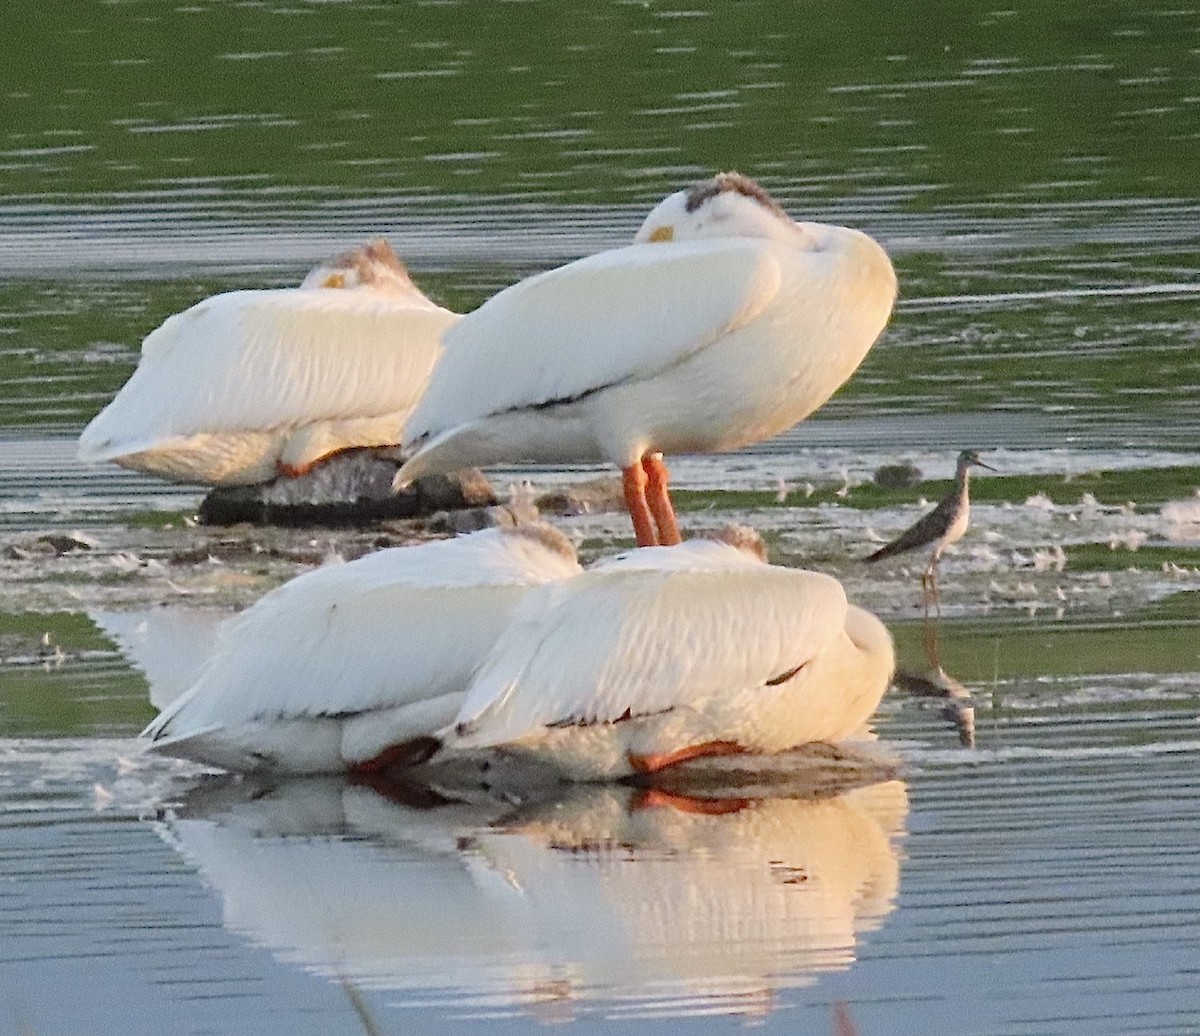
924	532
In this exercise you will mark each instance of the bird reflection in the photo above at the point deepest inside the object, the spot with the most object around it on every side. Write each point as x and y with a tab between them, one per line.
170	646
959	708
640	902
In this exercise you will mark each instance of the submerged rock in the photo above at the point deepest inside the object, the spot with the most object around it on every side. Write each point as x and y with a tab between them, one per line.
473	519
898	476
351	488
600	494
49	544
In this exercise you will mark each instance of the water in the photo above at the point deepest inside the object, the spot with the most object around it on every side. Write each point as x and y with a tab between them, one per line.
1040	882
1032	171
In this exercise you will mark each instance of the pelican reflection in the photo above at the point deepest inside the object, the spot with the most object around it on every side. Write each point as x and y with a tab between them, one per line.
633	901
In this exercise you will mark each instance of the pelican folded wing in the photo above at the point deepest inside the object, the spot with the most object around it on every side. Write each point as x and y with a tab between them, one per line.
620	315
617	643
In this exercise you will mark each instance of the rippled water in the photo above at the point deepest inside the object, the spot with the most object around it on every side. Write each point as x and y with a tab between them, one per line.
1038	882
1029	869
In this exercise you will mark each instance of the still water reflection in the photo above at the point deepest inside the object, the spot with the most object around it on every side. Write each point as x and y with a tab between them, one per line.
633	902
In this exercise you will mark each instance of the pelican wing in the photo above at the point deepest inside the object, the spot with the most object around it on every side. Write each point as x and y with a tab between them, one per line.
614	643
257	360
615	316
392	628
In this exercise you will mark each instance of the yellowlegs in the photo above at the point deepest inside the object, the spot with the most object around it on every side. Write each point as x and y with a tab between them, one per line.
944	525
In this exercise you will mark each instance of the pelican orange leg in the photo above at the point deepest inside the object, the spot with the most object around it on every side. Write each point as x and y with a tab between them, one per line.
660	798
292	471
633	480
658	500
654	763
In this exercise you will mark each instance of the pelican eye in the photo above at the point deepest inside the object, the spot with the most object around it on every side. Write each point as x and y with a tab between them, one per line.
664	233
334	280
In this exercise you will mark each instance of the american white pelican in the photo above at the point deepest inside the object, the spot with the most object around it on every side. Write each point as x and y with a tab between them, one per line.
725	323
250	384
666	654
353	666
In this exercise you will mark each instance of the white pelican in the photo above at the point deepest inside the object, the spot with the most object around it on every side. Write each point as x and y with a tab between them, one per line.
249	384
725	323
666	654
353	666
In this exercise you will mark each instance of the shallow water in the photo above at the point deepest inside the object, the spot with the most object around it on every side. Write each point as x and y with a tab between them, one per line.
1032	172
1037	882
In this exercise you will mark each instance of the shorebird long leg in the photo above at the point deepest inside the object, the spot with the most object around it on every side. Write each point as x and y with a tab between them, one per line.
931	575
659	501
633	480
929	590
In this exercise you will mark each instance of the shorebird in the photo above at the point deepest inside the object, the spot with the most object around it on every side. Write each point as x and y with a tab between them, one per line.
944	525
723	324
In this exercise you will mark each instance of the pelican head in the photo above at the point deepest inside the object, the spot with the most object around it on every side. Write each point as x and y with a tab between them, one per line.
970	458
746	539
375	265
728	205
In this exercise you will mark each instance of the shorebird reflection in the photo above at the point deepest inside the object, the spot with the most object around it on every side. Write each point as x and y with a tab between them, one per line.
959	707
652	900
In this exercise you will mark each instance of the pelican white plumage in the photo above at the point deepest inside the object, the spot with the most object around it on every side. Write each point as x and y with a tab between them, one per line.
665	654
353	666
246	385
725	323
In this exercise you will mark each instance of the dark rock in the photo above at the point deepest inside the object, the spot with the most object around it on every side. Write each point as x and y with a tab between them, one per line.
50	543
352	488
466	488
898	476
600	494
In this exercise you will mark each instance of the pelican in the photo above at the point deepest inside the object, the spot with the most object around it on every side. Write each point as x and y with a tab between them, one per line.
353	666
725	323
246	385
666	654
